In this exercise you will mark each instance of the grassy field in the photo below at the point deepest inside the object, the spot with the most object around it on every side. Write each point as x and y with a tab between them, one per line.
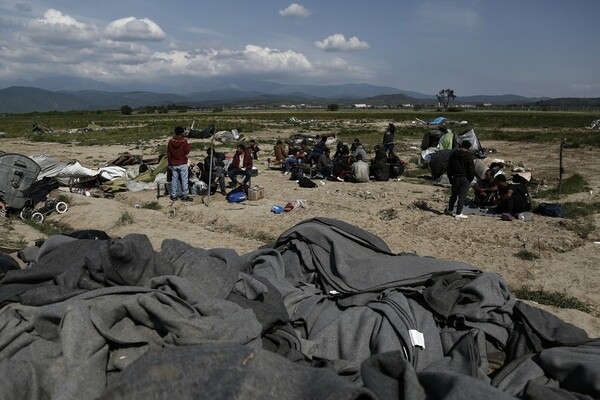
116	128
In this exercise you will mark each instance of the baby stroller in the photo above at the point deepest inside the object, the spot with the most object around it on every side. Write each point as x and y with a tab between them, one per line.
38	194
20	189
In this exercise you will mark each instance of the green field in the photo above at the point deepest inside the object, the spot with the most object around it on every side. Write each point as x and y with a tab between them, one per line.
116	128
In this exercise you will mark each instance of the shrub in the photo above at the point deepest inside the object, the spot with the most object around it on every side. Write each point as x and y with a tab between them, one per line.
527	255
557	299
152	205
125	219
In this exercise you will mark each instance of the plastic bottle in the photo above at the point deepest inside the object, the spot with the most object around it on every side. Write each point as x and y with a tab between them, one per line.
277	209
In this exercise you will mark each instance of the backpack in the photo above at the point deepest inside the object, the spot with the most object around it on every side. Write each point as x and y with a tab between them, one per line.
522	201
237	197
305	182
550	210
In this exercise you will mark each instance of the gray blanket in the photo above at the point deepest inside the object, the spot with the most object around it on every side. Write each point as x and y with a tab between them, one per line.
328	312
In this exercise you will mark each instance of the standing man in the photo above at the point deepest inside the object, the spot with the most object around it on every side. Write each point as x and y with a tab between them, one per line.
178	149
388	138
461	171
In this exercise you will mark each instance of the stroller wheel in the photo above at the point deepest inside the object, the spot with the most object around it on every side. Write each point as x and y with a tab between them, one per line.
61	207
25	214
37	217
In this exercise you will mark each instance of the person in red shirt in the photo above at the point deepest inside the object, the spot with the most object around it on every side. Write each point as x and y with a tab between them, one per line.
240	165
178	149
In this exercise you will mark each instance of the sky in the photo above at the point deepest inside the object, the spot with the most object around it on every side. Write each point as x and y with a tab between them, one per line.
533	48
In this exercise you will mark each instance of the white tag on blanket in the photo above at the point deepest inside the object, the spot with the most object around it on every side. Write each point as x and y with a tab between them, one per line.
333	292
416	338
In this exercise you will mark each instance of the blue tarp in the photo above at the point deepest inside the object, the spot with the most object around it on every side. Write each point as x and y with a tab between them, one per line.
437	121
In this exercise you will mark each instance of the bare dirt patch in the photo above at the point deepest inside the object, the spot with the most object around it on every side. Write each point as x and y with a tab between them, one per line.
388	209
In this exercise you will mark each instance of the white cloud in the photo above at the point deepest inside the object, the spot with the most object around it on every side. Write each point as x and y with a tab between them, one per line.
57	28
252	59
56	18
338	42
60	43
294	10
131	28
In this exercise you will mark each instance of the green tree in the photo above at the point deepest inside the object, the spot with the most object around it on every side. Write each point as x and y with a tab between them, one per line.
126	110
444	96
333	107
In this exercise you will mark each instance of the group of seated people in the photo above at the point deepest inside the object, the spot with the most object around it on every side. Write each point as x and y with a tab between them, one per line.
241	165
348	163
504	197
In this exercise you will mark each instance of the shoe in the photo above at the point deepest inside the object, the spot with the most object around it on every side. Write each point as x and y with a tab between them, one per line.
173	198
448	212
187	198
461	216
224	192
339	179
286	173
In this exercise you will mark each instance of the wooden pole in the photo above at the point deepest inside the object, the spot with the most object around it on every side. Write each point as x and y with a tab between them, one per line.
561	169
210	167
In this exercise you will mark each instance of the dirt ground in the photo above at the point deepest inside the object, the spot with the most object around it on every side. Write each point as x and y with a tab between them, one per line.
388	209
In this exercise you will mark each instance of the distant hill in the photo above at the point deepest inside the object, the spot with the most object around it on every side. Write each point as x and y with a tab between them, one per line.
18	99
232	92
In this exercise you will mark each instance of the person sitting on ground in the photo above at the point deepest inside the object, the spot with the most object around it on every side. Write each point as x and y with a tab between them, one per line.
338	150
216	171
279	151
395	165
360	171
253	149
178	149
358	149
486	190
318	149
342	164
512	198
379	169
324	165
240	165
297	158
461	171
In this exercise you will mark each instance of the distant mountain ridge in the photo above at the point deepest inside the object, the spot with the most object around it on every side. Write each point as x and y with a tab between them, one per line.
79	94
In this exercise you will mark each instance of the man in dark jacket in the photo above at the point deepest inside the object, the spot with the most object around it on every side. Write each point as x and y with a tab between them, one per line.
178	149
379	168
388	138
318	149
461	171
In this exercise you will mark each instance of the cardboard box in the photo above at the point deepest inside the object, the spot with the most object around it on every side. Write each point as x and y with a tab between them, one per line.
256	193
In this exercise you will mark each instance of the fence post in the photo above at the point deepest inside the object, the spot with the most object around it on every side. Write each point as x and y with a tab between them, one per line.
561	169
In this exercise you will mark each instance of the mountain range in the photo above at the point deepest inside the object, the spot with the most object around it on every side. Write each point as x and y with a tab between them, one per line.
80	94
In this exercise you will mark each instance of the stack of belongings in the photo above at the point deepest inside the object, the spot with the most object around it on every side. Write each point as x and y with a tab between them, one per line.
328	311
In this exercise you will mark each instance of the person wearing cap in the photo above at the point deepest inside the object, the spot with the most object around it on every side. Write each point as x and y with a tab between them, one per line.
460	171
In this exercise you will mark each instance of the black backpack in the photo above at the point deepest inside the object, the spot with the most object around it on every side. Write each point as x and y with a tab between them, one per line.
522	201
305	182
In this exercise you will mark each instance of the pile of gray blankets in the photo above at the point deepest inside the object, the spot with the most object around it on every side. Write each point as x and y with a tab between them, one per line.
326	312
